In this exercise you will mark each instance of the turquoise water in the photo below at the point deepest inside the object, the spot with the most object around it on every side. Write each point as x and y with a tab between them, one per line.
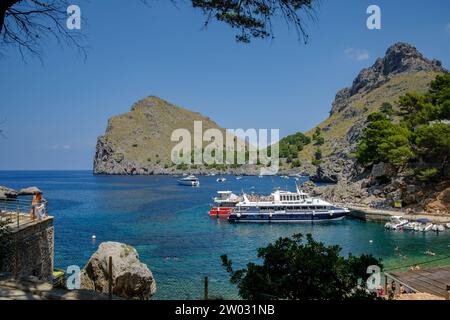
169	226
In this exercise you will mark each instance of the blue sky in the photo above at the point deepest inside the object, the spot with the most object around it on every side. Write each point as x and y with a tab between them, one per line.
53	112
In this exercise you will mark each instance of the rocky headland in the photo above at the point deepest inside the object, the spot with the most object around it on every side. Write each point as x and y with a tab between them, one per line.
403	69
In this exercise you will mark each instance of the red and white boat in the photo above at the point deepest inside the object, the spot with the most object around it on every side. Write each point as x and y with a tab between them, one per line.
224	203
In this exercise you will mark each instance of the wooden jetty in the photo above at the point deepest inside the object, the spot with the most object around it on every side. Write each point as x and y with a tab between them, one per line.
434	281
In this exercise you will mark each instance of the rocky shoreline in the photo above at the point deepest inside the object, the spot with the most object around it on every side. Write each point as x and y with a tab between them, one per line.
8	193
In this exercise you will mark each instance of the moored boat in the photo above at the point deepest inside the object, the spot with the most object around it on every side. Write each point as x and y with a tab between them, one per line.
189	181
285	206
427	227
396	223
221	179
438	228
225	202
411	225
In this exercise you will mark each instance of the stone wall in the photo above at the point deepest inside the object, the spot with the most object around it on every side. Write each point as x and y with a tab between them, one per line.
370	216
31	251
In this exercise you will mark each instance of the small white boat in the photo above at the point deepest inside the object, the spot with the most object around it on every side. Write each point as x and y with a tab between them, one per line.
260	176
396	223
284	177
427	227
222	179
191	181
447	225
438	228
430	253
411	225
238	177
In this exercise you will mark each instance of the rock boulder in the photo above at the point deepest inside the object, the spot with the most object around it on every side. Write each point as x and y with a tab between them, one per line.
7	193
131	278
29	191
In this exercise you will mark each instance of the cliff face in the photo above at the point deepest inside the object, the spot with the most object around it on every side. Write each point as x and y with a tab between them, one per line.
403	69
139	141
400	58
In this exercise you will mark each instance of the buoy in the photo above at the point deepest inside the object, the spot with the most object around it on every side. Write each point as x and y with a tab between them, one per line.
94	237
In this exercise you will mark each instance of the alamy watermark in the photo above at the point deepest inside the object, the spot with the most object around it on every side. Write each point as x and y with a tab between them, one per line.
74	17
237	147
374	20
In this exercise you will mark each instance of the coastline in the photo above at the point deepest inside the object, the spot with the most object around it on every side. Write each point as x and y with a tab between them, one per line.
369	214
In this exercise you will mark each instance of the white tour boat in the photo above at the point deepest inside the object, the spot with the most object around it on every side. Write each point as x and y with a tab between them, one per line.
285	206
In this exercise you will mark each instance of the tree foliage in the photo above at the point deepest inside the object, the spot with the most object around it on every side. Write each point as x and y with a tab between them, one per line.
422	133
25	23
291	145
298	268
318	138
253	18
384	141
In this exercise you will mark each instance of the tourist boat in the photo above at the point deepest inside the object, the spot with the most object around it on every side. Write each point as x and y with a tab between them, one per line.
189	181
396	223
224	203
221	179
285	206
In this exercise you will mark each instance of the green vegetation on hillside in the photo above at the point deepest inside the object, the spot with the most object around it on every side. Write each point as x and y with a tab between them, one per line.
336	127
318	138
297	268
421	134
291	145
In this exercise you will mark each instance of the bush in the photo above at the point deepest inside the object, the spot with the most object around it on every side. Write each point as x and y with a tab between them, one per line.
427	174
291	145
182	166
296	163
297	268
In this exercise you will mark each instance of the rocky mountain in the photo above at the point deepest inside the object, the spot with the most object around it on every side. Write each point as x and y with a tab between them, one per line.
403	69
139	141
400	58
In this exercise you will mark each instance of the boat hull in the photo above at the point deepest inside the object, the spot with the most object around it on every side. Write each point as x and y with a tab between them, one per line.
220	212
286	217
189	183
